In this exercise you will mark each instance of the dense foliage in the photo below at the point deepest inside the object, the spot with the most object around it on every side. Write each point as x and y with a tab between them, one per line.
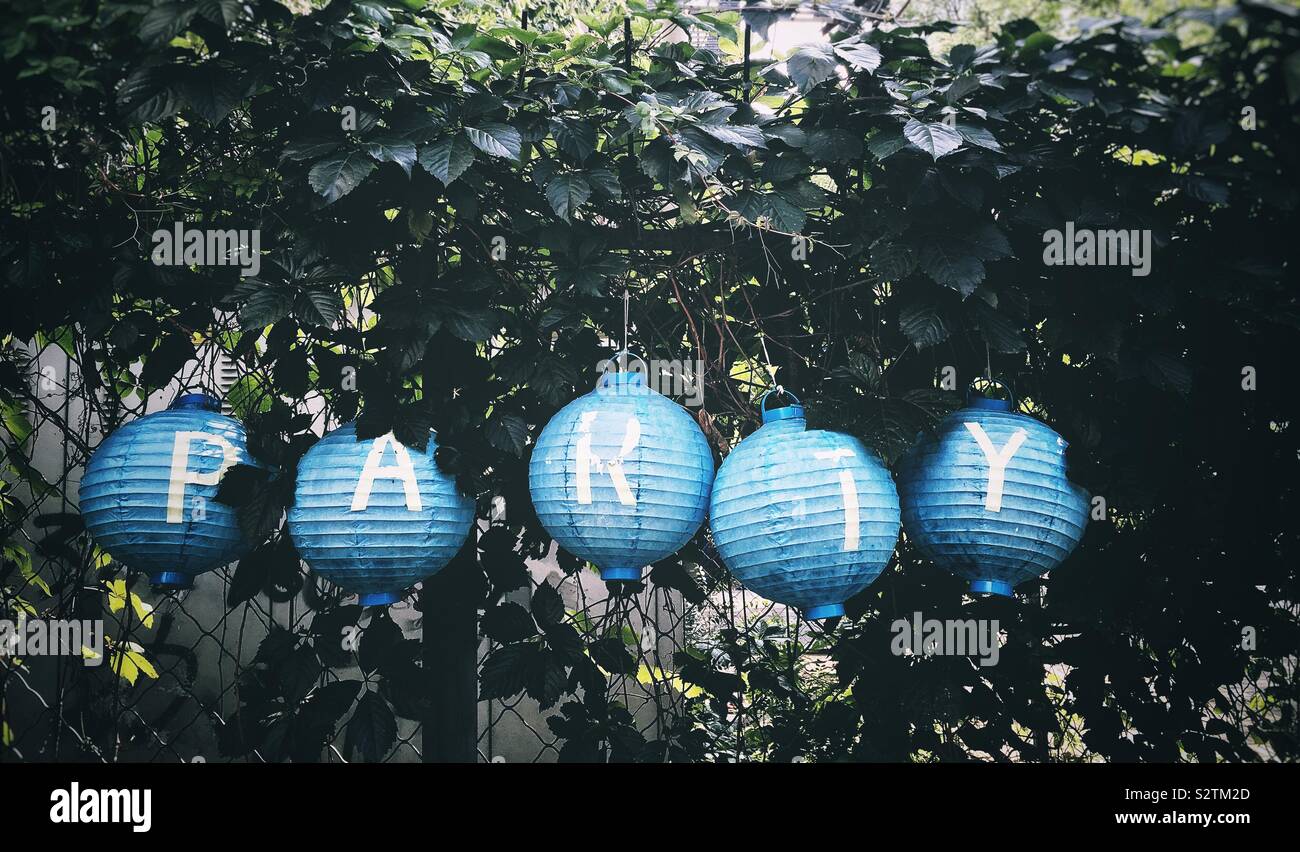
850	222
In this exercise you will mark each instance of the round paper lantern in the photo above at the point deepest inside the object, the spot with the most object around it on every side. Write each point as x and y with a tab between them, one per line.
804	516
987	498
147	494
620	477
375	517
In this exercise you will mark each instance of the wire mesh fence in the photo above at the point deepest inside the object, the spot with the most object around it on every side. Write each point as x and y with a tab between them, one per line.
171	675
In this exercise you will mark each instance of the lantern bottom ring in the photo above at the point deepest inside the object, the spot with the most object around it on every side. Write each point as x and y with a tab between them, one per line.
816	613
171	580
992	587
379	598
628	575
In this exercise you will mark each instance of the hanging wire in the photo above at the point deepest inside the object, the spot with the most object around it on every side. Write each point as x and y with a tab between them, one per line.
623	352
767	360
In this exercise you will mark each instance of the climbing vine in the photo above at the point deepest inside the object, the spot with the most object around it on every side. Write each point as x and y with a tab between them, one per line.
450	211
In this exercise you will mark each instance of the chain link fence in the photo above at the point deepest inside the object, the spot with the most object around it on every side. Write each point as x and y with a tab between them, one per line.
171	670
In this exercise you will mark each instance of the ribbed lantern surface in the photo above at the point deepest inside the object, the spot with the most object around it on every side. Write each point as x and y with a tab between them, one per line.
987	497
147	494
375	517
802	516
620	477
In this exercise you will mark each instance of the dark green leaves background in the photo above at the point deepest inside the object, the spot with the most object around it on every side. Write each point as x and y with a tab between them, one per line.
488	193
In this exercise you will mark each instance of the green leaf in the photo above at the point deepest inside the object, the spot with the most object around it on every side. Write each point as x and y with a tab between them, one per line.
834	145
922	324
886	143
447	159
977	135
785	167
605	182
258	504
546	678
392	148
934	138
891	424
611	655
508	432
265	306
379	642
163	23
319	307
149	94
961	55
566	193
769	210
548	609
672	574
741	136
496	140
811	64
987	242
1167	371
1204	189
251	574
863	57
166	360
999	331
412	425
224	12
309	148
319	715
892	261
493	47
952	267
471	324
564	640
506	671
372	730
373	12
340	173
1291	70
212	91
16	423
575	138
790	134
961	87
861	370
507	622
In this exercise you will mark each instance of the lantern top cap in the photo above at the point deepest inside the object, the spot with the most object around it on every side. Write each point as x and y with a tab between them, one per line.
976	398
978	401
624	378
195	402
793	411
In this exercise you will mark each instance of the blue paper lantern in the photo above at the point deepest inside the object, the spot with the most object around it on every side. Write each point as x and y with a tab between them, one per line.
375	517
146	495
802	516
987	498
620	477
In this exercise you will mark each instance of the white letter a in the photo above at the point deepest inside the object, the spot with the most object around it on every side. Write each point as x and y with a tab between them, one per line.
403	470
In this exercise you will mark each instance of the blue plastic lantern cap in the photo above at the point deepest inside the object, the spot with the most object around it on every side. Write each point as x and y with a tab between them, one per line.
987	498
375	517
802	516
147	494
620	477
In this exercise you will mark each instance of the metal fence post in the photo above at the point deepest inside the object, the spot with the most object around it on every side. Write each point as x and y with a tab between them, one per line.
449	601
